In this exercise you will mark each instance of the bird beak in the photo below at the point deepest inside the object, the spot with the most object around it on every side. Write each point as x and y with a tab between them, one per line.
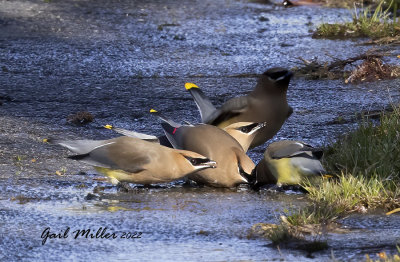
259	126
206	163
210	163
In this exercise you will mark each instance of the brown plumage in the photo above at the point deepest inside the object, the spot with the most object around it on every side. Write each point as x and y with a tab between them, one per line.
266	103
127	159
243	132
234	166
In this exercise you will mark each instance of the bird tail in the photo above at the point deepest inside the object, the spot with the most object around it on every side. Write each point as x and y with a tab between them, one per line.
80	147
133	134
164	118
203	103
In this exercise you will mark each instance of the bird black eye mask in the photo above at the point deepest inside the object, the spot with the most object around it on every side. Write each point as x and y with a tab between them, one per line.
197	161
248	128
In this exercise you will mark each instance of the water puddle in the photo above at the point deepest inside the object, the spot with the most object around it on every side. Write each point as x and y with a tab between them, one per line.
118	60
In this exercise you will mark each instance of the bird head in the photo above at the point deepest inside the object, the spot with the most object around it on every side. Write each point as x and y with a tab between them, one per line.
244	132
273	81
197	161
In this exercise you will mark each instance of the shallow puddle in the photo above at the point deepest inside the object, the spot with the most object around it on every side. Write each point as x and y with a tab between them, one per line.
119	59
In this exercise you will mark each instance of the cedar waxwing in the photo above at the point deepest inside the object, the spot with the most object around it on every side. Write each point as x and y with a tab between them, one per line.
243	132
287	163
266	103
234	166
132	160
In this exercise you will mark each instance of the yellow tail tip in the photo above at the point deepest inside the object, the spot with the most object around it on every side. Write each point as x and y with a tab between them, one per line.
45	140
326	176
153	111
190	86
108	126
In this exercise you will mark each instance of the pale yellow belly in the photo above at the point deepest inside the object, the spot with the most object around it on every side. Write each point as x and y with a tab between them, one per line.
117	175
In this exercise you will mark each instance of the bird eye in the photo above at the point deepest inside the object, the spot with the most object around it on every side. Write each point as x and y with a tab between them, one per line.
193	161
244	129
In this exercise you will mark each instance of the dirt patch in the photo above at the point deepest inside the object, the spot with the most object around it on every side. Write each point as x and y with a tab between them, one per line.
80	118
370	114
372	68
390	40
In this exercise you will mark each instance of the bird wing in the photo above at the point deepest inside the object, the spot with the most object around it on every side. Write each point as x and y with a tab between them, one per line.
163	140
78	146
295	149
244	161
231	108
203	103
170	131
118	154
289	150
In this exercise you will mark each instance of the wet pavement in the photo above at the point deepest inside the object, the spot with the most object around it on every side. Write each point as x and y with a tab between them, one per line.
118	59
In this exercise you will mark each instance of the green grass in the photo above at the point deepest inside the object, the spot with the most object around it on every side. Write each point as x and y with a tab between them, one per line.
376	24
313	214
349	193
370	151
366	168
